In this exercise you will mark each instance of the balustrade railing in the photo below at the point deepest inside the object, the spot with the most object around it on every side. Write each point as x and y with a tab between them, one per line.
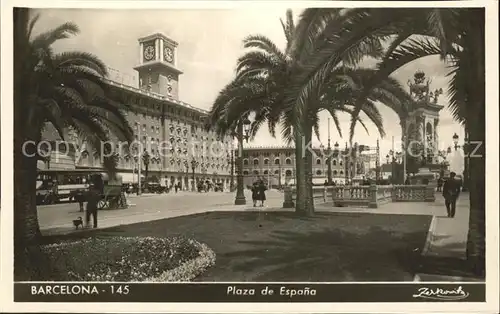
370	196
413	193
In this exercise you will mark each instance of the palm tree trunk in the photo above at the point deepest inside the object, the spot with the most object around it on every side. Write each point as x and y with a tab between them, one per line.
309	200
475	107
299	173
303	169
29	261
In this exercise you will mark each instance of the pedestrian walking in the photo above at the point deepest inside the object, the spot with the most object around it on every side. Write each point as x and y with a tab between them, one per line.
80	198
93	199
262	192
451	191
440	184
255	193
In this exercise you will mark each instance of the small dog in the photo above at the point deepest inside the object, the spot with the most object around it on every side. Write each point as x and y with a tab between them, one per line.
78	222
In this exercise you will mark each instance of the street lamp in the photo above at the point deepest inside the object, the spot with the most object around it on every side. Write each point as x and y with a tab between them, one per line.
139	160
242	133
194	165
466	158
230	159
455	140
246	128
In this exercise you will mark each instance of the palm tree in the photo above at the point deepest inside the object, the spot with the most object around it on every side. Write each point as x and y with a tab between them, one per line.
261	85
456	34
63	89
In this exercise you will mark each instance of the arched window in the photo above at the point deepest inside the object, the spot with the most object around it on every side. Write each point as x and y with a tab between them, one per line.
288	173
255	162
318	161
245	162
256	172
245	173
340	162
335	172
276	172
341	172
288	161
277	161
266	161
266	172
318	172
334	162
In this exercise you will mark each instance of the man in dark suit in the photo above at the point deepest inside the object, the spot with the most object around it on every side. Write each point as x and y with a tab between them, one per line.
93	199
451	191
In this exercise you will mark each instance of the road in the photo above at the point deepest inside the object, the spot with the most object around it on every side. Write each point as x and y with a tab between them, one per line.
58	218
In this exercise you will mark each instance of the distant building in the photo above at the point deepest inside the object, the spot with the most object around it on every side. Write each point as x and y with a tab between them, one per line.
277	165
170	130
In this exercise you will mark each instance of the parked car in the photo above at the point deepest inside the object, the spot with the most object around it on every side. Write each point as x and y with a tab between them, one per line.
155	187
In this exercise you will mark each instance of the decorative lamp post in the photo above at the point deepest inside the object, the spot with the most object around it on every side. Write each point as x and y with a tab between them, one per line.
346	164
466	148
243	134
335	154
466	158
322	149
392	153
455	141
329	159
230	158
139	161
194	165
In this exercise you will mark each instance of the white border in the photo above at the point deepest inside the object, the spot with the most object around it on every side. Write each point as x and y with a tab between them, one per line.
492	217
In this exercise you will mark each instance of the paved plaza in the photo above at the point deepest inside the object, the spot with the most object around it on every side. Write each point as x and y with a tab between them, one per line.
446	238
57	219
196	214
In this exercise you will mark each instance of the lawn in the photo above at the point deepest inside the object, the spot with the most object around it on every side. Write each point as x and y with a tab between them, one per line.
279	246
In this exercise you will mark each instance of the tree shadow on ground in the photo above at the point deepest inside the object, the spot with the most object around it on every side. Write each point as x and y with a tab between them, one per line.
331	255
283	246
334	247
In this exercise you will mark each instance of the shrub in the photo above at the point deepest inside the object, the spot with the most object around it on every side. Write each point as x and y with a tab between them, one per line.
129	259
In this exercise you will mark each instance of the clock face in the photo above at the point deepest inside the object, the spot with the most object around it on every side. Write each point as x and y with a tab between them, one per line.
149	53
168	54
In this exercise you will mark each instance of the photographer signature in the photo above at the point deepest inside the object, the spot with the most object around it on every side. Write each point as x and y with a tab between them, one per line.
441	294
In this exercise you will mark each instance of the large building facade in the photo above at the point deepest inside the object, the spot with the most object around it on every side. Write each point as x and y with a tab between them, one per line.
277	165
179	149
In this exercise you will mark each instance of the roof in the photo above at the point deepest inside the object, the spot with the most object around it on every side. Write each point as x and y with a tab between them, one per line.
155	96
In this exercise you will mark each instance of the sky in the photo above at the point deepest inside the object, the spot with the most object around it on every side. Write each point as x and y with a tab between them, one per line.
210	42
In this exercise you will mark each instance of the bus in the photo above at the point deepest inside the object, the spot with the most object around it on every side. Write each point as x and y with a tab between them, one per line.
53	186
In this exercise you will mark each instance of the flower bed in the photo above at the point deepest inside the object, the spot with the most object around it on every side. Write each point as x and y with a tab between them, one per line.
130	259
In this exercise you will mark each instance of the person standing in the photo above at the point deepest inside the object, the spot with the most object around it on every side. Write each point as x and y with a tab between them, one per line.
93	199
80	198
255	193
451	191
407	181
262	192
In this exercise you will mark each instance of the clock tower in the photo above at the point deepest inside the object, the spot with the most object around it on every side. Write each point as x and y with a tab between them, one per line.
157	65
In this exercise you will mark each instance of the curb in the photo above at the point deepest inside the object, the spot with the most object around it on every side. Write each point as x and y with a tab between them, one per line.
430	236
443	278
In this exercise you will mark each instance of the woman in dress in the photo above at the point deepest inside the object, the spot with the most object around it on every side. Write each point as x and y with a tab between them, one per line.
255	193
262	192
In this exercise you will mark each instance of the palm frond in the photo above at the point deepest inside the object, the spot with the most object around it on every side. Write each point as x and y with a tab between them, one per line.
80	59
48	38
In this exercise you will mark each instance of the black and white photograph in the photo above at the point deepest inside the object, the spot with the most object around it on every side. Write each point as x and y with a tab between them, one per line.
251	153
